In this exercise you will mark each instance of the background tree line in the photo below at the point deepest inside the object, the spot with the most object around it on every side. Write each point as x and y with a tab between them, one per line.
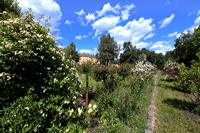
108	53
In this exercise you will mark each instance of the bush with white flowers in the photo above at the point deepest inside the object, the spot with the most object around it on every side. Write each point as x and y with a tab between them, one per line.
39	86
143	67
92	108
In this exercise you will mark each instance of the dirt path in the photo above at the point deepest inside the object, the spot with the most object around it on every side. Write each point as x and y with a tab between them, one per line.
152	107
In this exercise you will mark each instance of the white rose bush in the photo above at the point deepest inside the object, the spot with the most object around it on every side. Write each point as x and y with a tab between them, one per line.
39	86
143	67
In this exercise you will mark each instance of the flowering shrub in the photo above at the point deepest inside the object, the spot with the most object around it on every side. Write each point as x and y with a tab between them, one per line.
92	108
38	84
143	67
171	69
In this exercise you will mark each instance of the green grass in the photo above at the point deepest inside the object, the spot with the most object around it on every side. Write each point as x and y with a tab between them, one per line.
173	115
92	83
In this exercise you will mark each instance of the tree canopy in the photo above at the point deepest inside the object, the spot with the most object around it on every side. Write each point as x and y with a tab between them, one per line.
130	54
186	47
108	50
71	52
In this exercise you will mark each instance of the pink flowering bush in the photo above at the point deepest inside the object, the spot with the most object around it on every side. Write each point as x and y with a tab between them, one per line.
172	69
39	86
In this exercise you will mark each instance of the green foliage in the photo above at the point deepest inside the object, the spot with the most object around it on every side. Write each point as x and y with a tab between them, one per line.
130	54
124	108
186	47
108	50
154	58
10	6
125	70
39	85
100	72
107	74
189	80
174	109
85	67
71	52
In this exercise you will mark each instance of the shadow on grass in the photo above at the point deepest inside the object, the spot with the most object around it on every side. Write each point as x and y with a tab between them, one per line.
180	104
173	87
168	80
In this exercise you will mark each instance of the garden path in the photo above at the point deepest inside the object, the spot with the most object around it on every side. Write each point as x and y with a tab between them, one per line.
152	107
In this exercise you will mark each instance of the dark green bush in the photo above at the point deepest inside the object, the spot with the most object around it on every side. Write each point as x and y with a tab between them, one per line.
125	70
107	74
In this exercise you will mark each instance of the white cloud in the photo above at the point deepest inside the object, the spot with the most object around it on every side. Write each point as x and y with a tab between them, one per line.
125	13
150	35
49	8
133	31
198	12
174	34
108	8
161	47
121	33
60	46
167	21
68	22
193	27
141	45
197	21
105	24
167	2
81	37
117	7
191	13
59	38
88	51
81	12
194	13
90	17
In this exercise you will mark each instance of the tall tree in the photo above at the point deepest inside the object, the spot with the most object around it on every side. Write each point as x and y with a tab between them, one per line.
186	47
108	50
72	53
130	54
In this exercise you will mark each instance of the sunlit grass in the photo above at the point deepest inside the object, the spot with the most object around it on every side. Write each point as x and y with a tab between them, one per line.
173	114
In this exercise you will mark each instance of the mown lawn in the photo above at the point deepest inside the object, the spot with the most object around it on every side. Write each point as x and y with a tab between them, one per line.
173	110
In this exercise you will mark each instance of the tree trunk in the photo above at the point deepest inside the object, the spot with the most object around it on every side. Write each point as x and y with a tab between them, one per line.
86	91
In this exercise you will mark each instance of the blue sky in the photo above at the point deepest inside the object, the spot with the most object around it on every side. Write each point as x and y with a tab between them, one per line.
152	24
